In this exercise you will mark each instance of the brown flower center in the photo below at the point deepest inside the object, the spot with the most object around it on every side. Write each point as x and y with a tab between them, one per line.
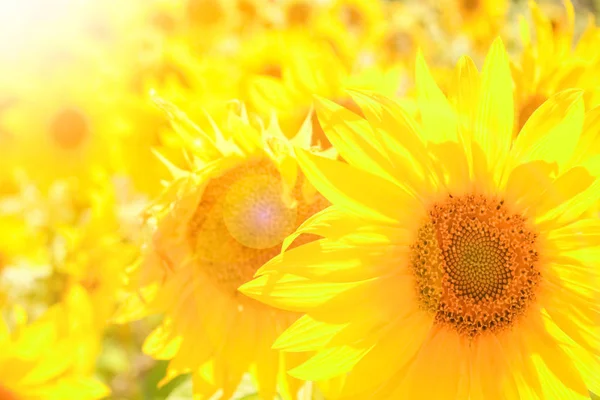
470	5
476	264
299	13
352	17
69	128
241	222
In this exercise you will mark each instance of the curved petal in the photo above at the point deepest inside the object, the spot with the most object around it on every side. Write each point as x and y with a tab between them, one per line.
552	132
437	116
494	121
357	191
353	138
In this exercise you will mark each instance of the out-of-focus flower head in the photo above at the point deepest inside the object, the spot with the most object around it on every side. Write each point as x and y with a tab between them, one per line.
222	216
478	21
551	62
51	357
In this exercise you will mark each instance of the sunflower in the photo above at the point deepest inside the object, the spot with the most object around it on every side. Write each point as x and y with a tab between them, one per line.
314	70
452	253
479	20
401	34
23	256
92	249
551	64
215	224
62	127
359	18
41	359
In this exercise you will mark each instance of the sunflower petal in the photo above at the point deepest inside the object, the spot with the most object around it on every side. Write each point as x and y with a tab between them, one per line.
352	137
365	194
437	116
552	132
494	126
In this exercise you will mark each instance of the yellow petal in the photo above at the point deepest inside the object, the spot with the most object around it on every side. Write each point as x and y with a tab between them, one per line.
527	183
266	371
558	375
466	91
330	223
330	362
442	359
490	374
578	197
438	118
392	353
357	191
332	261
552	132
292	292
401	139
306	334
494	121
353	138
589	144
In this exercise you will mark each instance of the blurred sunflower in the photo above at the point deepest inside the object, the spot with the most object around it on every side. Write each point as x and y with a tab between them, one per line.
215	224
72	233
315	70
62	127
478	20
402	33
360	18
452	252
550	64
23	256
92	250
43	359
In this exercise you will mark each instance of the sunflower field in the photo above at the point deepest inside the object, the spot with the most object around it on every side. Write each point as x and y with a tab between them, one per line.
299	200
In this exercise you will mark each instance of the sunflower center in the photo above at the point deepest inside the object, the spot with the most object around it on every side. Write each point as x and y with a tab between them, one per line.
352	17
254	211
241	222
205	12
399	43
69	128
272	69
299	13
475	264
470	5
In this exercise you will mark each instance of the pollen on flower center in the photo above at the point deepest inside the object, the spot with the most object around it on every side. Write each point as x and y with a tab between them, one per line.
69	128
241	221
254	211
475	264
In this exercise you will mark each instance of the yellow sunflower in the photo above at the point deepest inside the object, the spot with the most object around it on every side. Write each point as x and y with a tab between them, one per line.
92	249
41	360
23	256
315	69
215	224
61	123
550	63
454	262
478	20
400	35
